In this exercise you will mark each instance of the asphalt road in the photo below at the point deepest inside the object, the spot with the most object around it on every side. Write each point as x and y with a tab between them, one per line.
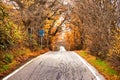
59	65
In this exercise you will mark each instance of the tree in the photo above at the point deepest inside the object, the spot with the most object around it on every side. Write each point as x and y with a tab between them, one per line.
97	24
10	34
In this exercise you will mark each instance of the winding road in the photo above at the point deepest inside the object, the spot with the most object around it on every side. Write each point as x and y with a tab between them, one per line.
56	65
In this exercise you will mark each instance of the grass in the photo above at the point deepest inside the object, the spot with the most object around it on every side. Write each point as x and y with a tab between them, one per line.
102	66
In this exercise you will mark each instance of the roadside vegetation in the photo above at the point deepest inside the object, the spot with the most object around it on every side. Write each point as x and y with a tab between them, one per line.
12	59
103	66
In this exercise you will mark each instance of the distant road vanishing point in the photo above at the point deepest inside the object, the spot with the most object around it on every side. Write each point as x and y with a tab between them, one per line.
56	65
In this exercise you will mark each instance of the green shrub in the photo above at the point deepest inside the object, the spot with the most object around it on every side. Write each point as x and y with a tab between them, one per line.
8	57
4	68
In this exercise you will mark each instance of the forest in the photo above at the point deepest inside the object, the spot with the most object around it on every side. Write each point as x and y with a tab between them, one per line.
90	25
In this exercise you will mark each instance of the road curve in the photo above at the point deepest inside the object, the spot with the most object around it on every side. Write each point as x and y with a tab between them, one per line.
59	65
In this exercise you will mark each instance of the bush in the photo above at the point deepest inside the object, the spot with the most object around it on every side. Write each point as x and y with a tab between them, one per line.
8	57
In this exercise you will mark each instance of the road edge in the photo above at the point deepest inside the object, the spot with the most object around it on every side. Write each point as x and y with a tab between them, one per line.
14	72
93	70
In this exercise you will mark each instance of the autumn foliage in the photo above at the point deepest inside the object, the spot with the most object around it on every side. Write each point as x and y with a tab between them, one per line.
91	25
